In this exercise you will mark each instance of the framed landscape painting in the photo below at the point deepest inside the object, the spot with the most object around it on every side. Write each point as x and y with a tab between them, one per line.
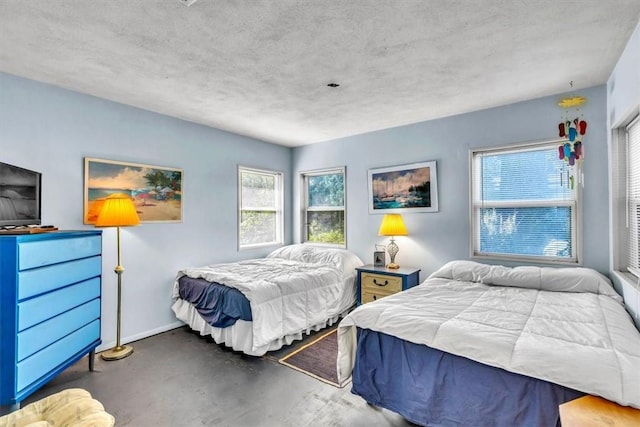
156	191
404	189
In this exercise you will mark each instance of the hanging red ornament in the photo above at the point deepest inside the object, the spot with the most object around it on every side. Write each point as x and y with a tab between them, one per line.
583	127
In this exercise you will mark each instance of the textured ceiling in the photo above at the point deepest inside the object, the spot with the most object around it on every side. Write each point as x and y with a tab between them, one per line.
261	68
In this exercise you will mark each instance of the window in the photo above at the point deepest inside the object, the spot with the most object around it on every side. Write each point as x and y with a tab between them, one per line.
260	211
324	206
633	196
525	204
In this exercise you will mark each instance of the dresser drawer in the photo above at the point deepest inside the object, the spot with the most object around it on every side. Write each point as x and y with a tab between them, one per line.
47	359
54	251
46	333
36	310
379	283
44	279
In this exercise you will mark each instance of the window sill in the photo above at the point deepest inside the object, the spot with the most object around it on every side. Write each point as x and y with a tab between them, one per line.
627	285
555	262
626	278
327	245
260	246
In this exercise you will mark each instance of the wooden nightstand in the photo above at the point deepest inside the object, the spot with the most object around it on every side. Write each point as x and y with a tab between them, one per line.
378	282
592	411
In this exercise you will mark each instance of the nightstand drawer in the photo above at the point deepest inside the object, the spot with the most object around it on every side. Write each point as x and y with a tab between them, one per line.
379	283
369	295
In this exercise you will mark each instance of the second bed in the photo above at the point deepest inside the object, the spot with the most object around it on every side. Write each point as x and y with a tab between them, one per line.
489	345
259	305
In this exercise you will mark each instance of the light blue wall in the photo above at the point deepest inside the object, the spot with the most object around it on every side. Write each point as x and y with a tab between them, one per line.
623	104
51	130
435	238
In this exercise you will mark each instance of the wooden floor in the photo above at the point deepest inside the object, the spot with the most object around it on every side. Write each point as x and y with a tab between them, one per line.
180	379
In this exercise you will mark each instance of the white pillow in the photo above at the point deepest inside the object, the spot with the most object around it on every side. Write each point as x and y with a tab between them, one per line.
346	261
568	279
296	252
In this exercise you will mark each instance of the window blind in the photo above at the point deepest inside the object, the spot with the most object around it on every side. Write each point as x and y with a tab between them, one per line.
633	195
524	204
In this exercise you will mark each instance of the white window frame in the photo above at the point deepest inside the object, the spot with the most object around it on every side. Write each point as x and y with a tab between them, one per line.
621	191
475	205
278	208
305	204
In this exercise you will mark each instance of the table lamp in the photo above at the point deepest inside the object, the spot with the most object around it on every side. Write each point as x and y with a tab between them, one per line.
118	211
392	225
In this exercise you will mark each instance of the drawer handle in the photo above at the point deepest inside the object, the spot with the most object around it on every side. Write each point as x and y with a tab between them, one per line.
386	282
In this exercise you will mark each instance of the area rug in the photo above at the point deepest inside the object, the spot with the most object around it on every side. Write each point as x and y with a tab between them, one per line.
317	358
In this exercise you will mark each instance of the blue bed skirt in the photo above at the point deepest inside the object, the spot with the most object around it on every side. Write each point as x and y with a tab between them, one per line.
433	388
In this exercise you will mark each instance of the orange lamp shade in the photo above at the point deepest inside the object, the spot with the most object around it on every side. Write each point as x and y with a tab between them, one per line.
392	225
118	210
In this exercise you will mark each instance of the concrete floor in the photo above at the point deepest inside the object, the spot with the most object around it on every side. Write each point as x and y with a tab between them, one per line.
180	379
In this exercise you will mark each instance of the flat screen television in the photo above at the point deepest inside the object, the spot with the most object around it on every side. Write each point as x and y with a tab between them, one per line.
19	196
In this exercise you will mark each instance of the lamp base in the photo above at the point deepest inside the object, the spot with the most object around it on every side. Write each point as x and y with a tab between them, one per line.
117	353
393	266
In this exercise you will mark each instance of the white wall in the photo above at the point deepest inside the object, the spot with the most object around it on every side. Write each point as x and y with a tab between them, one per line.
435	238
623	104
51	130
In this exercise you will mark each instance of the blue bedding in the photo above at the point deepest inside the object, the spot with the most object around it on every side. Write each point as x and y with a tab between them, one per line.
433	388
219	305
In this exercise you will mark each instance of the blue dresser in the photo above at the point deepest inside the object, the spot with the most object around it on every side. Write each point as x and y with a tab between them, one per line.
50	291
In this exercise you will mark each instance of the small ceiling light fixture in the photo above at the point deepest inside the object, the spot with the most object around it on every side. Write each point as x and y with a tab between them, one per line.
332	84
188	2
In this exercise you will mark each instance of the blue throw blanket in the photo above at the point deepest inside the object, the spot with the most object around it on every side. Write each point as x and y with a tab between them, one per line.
219	305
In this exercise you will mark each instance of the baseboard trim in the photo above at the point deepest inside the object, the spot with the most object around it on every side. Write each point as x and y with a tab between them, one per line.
141	335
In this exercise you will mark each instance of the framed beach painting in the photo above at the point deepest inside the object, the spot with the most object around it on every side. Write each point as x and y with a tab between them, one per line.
155	190
404	189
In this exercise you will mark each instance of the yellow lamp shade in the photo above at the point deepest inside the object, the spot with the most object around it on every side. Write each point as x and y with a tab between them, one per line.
118	210
392	225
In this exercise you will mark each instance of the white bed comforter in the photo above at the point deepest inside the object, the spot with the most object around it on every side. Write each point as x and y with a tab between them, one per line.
567	326
287	295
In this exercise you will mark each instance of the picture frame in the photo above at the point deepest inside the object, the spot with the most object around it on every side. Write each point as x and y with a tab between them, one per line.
155	190
404	189
379	258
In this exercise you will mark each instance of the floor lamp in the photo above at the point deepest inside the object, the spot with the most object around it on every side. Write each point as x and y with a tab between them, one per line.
118	211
